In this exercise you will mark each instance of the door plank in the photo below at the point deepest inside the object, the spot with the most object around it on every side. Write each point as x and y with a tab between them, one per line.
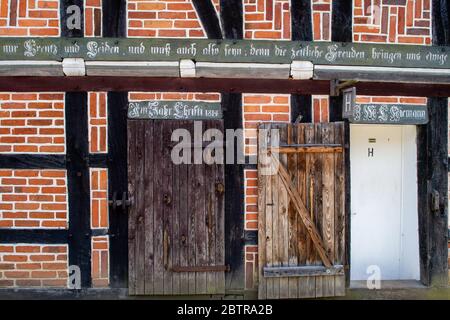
301	210
327	132
263	182
132	211
183	170
339	213
210	214
158	277
140	203
283	221
200	231
293	243
149	205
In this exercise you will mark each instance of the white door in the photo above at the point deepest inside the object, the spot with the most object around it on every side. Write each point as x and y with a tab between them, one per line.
384	219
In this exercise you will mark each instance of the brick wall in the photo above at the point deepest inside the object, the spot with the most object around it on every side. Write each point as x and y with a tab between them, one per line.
98	122
37	18
37	265
32	123
164	19
251	267
267	19
406	22
33	199
99	198
100	261
93	18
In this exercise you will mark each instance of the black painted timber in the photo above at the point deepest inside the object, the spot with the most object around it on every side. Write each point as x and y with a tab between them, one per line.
441	30
301	20
65	32
234	200
301	105
232	23
342	21
32	161
341	31
114	25
208	16
432	172
78	183
231	18
114	18
14	236
118	182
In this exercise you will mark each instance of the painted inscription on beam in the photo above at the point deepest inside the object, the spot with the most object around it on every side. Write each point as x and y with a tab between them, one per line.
204	50
174	110
389	114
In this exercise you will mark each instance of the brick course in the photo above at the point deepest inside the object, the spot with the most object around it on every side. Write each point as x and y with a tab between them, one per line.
164	19
98	122
33	18
33	199
32	122
404	22
93	18
99	198
100	261
267	19
33	265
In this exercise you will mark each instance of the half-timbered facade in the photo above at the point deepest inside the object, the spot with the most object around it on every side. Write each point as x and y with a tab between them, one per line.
90	197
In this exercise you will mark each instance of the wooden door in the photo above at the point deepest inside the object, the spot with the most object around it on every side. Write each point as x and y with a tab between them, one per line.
176	220
301	210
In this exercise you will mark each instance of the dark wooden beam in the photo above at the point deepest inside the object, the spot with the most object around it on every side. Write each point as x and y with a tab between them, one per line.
114	18
441	30
231	18
118	182
301	20
65	32
124	84
432	172
114	25
232	23
234	200
342	31
33	236
301	105
32	161
301	31
78	183
208	16
342	21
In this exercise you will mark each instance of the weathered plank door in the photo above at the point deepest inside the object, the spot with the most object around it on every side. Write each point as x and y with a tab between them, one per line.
301	210
176	220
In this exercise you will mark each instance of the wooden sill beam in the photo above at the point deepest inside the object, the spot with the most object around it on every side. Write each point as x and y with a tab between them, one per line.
303	271
123	84
308	148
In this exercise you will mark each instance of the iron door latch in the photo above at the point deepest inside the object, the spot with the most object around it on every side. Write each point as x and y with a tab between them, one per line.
124	202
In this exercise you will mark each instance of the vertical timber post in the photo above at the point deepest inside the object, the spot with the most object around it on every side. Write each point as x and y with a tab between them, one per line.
301	105
114	25
341	31
77	164
432	173
231	12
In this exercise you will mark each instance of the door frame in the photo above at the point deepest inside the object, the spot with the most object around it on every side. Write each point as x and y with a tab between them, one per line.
403	156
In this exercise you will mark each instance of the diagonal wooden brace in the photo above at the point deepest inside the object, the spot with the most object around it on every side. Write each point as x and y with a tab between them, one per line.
302	212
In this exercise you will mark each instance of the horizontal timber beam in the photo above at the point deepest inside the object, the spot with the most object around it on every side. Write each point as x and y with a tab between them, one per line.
319	87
